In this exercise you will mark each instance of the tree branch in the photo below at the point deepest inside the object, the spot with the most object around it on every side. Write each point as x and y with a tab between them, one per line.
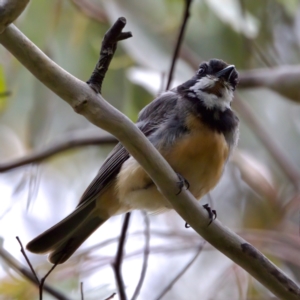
117	264
91	105
15	265
64	144
10	11
108	48
81	291
285	80
41	282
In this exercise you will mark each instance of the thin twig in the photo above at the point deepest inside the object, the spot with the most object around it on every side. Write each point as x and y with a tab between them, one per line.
57	147
181	273
29	274
111	296
179	40
108	48
81	291
145	258
117	264
27	260
44	279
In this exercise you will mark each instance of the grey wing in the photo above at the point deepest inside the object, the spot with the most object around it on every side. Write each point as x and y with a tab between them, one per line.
159	109
106	174
150	118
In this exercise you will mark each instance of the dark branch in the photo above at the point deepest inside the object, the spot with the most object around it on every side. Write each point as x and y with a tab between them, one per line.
40	283
66	144
81	291
108	48
44	279
117	264
27	260
179	40
29	274
146	256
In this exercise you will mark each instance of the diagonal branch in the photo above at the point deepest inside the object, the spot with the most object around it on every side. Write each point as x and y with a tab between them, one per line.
41	282
57	147
19	268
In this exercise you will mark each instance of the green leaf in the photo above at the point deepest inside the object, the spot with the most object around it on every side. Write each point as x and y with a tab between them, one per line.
3	90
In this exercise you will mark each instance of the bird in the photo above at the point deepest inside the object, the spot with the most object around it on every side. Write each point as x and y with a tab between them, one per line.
194	129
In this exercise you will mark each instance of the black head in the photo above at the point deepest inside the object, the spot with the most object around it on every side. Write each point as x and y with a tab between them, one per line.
219	69
213	84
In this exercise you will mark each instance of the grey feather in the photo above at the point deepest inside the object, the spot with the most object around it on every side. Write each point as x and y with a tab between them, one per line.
67	248
49	239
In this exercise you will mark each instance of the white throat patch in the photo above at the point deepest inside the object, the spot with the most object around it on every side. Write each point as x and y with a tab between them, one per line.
211	100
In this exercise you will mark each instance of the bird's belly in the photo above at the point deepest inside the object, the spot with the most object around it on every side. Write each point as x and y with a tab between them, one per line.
136	190
198	157
149	199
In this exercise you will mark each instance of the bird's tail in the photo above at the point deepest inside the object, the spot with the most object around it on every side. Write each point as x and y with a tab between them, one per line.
65	237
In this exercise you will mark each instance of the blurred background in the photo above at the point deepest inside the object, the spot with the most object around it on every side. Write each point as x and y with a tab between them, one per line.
258	196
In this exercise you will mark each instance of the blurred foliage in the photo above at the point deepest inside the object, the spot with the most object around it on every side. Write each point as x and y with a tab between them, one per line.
3	91
17	289
258	200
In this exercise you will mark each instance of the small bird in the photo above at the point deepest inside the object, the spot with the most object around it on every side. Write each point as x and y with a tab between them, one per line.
194	129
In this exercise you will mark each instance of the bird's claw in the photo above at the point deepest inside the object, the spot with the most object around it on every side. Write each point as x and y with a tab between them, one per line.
212	214
187	225
181	183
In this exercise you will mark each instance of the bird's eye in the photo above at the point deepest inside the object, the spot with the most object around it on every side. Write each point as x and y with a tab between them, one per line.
201	71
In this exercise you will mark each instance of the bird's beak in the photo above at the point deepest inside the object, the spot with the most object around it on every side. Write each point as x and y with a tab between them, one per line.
226	73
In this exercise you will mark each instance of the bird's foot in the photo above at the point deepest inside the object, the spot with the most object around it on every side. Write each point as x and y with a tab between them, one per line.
182	183
212	214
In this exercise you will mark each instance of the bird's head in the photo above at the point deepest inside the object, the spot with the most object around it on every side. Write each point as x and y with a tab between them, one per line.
213	84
